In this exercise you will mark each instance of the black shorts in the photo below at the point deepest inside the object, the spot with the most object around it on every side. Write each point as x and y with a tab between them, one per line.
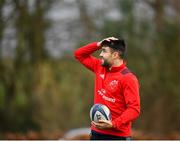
98	136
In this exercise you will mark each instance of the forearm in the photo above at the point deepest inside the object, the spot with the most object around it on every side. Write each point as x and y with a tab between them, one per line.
129	115
86	50
83	55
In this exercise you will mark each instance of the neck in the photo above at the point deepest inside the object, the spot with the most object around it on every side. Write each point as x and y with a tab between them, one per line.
117	63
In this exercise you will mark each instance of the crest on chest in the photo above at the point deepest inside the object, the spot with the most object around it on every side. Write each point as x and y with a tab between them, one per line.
113	84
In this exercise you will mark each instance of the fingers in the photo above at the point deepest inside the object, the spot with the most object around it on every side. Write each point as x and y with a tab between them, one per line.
109	39
102	121
97	125
93	123
99	122
102	124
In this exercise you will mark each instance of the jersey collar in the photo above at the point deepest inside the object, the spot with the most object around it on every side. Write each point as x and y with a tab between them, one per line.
118	68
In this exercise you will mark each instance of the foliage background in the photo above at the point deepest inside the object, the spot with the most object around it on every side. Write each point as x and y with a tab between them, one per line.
42	86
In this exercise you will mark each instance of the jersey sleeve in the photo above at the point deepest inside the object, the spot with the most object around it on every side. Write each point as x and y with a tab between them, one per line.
84	56
132	100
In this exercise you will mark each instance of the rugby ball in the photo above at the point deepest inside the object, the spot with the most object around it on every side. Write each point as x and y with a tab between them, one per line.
100	112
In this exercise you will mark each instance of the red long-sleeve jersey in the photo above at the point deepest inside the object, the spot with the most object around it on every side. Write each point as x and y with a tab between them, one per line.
117	88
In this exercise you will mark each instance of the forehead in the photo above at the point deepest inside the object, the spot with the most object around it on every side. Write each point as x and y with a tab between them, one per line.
106	48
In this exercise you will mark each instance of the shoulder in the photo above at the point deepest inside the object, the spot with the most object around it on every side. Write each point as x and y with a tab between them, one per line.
128	77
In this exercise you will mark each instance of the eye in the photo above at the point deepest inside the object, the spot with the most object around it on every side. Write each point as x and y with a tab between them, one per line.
103	50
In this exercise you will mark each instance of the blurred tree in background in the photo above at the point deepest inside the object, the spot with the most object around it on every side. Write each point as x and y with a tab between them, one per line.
20	75
42	92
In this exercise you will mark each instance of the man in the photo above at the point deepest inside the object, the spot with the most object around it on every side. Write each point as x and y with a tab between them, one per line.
115	86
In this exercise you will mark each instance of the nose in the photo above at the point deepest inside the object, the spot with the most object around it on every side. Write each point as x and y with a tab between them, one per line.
101	54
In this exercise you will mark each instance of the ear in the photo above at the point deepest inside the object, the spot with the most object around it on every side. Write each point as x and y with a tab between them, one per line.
115	54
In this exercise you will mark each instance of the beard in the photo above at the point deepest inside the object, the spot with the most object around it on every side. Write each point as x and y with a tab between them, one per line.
105	63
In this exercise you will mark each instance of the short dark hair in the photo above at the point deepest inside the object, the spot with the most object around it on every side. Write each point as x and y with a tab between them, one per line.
117	45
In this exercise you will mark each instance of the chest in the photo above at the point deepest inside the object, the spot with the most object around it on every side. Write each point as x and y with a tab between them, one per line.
109	81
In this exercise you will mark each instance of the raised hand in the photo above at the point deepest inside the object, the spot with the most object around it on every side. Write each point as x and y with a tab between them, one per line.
106	39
